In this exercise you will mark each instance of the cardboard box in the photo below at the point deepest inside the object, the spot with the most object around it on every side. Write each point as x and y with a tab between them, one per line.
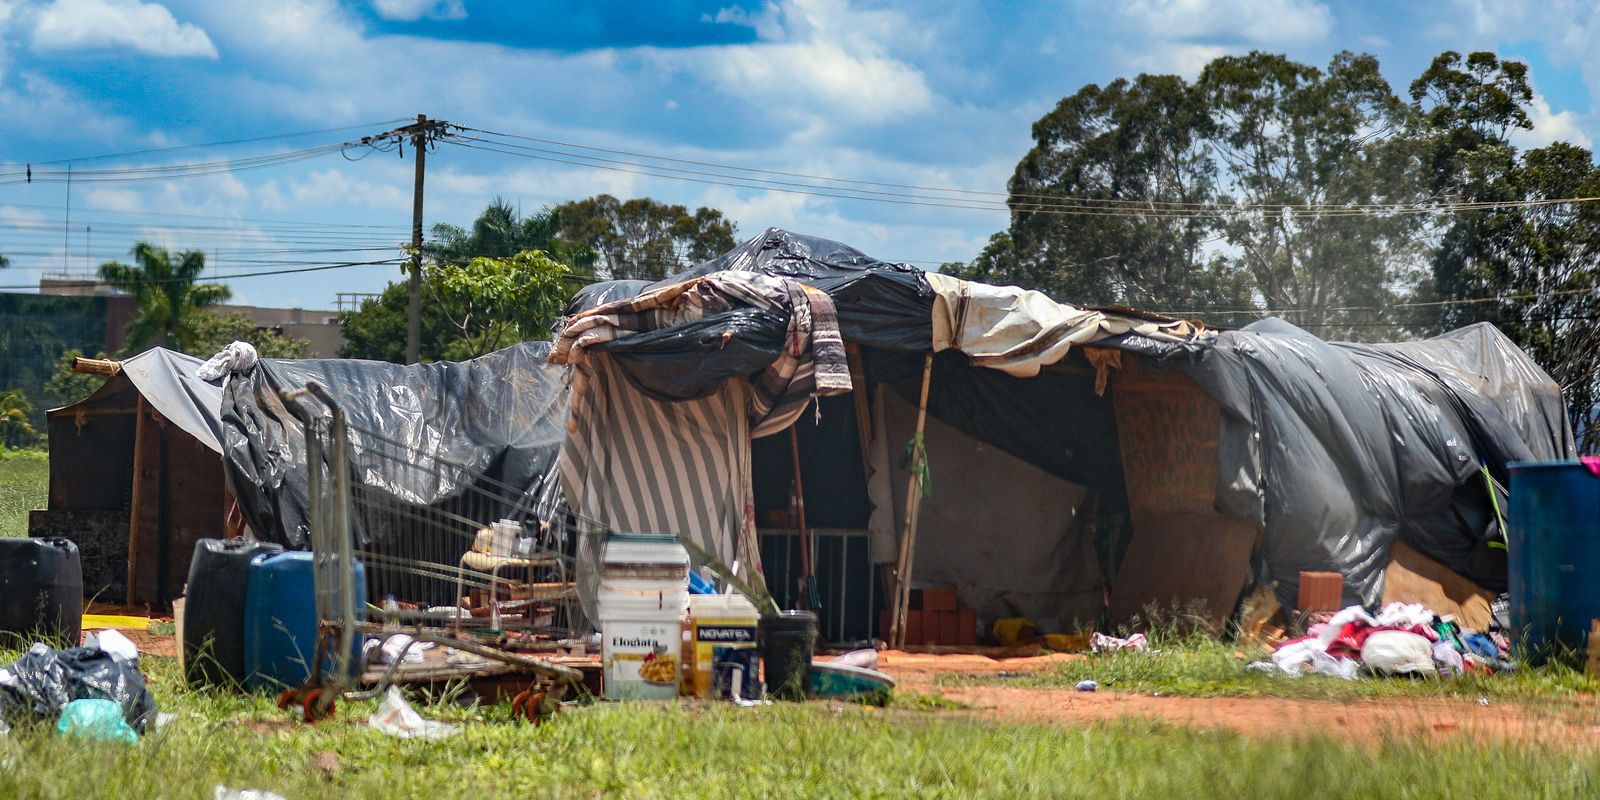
949	627
941	599
968	633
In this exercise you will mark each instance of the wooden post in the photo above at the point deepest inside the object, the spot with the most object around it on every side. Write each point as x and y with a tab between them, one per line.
897	628
800	510
136	506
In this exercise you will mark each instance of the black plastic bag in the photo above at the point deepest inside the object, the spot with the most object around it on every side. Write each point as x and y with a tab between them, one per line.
42	682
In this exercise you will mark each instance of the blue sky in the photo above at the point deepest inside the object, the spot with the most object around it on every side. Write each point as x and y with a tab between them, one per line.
938	94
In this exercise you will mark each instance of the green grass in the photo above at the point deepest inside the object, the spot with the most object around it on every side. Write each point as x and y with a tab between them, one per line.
24	485
714	751
1199	667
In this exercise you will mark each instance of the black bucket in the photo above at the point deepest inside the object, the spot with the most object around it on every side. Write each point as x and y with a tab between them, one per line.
213	616
41	590
787	642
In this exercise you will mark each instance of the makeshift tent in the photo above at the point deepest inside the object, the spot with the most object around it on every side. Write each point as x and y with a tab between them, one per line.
136	477
425	441
1263	447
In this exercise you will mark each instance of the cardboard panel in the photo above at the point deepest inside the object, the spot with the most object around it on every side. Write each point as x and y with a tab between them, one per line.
1182	550
1414	578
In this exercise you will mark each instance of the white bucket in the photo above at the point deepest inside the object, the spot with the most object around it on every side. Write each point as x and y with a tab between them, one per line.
641	657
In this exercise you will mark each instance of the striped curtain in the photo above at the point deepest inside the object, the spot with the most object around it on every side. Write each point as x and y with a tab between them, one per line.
639	465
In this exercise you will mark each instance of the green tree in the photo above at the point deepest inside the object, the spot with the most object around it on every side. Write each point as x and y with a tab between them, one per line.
642	238
16	427
495	302
214	331
1466	109
376	330
501	231
1288	136
171	301
1133	151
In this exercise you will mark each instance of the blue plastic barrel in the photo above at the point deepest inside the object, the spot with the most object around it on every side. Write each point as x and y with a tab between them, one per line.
280	621
1553	554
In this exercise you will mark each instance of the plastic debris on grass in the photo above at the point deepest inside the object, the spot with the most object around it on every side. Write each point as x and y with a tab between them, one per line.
397	718
1402	639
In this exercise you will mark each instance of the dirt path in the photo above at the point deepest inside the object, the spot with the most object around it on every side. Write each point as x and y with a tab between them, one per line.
1368	722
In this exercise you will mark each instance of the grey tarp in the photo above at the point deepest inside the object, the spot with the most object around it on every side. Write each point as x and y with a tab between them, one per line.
167	381
500	417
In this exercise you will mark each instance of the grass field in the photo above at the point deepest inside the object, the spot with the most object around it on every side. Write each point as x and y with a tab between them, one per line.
24	485
1199	667
714	751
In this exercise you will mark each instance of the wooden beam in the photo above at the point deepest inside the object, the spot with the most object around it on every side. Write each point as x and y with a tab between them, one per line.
136	507
908	539
860	395
808	579
95	366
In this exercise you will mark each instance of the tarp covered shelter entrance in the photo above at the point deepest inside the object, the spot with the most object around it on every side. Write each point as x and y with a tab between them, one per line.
1260	451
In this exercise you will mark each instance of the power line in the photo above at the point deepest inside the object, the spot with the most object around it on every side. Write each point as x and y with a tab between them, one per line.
1079	206
264	273
223	143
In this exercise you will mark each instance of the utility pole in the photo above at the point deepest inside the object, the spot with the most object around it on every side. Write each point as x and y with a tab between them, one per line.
419	148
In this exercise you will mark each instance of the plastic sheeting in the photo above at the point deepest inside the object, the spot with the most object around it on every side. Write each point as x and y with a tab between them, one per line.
1336	450
1339	449
501	416
44	681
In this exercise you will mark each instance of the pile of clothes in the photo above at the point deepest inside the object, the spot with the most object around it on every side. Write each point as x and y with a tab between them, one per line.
1402	639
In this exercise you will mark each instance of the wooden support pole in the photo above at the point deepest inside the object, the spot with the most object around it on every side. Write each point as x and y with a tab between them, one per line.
136	506
908	539
806	579
95	366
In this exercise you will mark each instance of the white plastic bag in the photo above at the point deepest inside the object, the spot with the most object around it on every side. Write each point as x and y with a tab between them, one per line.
397	718
1101	643
1398	653
110	640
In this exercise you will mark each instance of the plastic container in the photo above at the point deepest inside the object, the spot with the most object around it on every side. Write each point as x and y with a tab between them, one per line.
211	634
41	589
280	621
787	642
644	590
722	658
1553	554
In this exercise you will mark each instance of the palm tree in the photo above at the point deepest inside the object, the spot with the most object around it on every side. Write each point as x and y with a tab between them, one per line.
170	302
16	429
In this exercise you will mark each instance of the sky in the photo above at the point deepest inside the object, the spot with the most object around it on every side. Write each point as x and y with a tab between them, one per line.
917	94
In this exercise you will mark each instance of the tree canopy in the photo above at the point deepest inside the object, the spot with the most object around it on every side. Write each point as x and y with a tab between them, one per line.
1320	195
171	300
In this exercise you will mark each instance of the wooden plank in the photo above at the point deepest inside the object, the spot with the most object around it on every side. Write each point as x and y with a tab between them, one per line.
145	520
135	514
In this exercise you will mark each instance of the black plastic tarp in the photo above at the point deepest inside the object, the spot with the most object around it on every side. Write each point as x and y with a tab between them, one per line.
1336	449
500	417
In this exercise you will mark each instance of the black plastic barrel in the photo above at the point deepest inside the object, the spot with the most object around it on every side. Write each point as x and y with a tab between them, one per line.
787	642
41	589
213	614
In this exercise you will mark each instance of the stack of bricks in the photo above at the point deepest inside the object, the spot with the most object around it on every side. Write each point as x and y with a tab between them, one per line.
935	618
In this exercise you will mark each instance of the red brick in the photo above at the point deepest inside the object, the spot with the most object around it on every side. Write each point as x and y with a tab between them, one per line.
968	633
942	599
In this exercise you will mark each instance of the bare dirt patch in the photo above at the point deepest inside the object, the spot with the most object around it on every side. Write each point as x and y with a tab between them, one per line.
1361	721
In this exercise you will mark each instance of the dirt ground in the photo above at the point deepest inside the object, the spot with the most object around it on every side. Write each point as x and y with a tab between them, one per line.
1364	721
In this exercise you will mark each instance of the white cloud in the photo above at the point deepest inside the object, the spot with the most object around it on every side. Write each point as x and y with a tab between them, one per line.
1175	58
146	27
413	10
1549	127
1264	22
